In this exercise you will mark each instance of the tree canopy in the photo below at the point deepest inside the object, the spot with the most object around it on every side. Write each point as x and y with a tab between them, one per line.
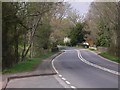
102	20
33	28
77	34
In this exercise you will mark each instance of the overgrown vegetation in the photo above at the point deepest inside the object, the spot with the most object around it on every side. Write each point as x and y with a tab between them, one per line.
30	29
28	65
110	57
103	38
103	22
21	22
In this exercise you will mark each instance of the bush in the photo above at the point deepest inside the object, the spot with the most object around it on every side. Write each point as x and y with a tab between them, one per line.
54	49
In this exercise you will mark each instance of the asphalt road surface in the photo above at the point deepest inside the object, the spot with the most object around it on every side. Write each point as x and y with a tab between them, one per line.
76	68
82	75
35	82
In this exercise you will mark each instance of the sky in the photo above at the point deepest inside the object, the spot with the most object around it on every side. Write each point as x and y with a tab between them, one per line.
81	7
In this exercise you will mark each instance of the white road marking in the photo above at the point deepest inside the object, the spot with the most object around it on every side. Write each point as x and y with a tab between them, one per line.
63	79
61	82
73	87
104	58
97	66
54	66
53	63
60	75
67	82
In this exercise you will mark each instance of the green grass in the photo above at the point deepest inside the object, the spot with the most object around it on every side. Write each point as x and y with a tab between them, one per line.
28	65
110	57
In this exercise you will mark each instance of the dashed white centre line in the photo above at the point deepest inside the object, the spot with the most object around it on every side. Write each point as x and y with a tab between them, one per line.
60	75
67	82
63	79
73	87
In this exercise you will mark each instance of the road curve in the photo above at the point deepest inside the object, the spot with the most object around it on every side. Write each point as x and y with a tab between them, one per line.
82	75
96	59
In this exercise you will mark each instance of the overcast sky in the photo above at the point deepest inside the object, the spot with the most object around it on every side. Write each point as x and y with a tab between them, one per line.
81	7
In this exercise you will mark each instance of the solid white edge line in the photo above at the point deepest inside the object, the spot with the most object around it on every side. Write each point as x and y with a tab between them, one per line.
96	66
104	58
53	63
67	82
56	69
54	66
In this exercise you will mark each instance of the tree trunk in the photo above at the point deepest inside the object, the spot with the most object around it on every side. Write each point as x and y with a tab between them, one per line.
16	45
31	38
118	29
24	48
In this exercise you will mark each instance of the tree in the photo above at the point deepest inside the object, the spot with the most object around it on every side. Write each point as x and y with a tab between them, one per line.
63	21
104	38
77	34
10	34
26	29
102	21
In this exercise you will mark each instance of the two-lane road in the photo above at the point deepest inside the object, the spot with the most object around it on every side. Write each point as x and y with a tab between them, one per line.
82	75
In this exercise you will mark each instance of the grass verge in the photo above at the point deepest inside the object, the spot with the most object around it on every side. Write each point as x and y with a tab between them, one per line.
110	57
27	65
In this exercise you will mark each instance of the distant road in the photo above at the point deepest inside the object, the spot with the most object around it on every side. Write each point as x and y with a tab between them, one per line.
83	75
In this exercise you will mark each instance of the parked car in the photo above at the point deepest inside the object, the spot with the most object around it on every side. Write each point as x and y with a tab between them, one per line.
85	45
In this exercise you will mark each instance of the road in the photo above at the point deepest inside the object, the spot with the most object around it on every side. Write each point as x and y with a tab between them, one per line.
75	68
81	74
35	82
